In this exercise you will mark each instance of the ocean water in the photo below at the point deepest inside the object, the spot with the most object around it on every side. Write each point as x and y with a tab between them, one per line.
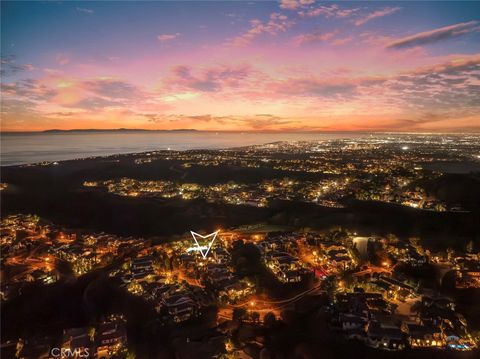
26	148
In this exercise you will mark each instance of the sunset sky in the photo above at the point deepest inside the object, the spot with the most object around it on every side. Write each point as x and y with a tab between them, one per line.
241	65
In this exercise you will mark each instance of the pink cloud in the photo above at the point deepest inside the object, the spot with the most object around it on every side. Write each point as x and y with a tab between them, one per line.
211	79
334	87
324	10
62	59
347	12
276	24
432	36
343	41
294	4
316	36
377	14
328	11
168	37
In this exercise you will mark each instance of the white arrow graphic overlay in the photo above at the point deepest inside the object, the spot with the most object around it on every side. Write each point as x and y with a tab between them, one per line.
203	249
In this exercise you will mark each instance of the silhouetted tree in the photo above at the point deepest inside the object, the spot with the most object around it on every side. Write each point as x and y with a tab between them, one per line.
239	314
255	317
269	320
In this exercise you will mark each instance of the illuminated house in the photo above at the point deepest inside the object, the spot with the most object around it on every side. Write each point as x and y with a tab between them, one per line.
386	338
422	336
180	306
236	290
141	268
33	348
351	321
111	338
77	341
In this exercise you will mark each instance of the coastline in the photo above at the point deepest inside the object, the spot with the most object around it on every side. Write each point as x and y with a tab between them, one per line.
31	148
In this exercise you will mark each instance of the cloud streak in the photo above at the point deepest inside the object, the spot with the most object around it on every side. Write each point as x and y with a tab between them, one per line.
168	37
111	88
10	67
257	122
211	79
376	14
84	10
436	35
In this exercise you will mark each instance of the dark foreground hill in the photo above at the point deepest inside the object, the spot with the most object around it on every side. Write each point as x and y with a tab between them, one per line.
455	189
56	193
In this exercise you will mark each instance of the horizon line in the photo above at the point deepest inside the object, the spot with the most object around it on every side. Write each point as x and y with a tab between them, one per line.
53	130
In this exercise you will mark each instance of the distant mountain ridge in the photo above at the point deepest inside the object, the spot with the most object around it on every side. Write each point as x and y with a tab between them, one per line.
119	130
